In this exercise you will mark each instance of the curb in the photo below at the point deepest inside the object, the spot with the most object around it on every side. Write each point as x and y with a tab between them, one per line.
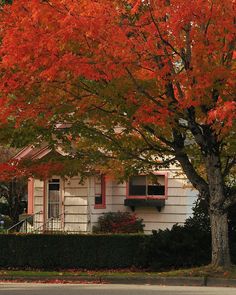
213	282
64	279
136	280
149	280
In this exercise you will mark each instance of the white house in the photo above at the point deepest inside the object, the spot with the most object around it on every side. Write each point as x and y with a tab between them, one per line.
66	204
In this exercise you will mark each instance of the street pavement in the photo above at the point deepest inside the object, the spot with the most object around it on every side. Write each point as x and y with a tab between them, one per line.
76	289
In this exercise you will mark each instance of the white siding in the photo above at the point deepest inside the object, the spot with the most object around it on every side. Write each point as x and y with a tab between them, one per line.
178	206
75	227
38	197
81	214
96	212
38	203
75	205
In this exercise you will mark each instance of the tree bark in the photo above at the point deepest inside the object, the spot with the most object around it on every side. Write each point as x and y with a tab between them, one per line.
213	192
220	240
218	216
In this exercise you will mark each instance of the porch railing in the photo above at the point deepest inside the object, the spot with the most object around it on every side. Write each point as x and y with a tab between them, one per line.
26	225
52	225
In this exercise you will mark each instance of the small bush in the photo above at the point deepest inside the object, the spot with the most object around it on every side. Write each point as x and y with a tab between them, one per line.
200	223
177	248
5	222
119	222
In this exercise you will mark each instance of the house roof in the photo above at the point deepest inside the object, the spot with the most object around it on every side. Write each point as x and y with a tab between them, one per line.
36	152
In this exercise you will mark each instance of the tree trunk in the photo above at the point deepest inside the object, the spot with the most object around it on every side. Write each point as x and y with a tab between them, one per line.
212	190
220	240
218	216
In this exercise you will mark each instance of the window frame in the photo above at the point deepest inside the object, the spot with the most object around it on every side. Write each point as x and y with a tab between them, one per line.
150	197
103	193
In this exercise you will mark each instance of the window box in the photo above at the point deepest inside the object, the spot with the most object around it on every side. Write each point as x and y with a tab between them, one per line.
132	203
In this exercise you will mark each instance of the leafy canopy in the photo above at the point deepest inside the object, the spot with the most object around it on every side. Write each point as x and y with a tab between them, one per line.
138	81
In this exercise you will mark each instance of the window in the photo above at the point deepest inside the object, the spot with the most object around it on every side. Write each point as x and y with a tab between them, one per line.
54	198
100	192
147	186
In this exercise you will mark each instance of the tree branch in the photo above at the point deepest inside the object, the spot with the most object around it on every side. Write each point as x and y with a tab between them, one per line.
140	88
197	181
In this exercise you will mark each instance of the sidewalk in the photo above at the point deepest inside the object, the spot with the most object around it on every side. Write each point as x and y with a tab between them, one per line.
119	279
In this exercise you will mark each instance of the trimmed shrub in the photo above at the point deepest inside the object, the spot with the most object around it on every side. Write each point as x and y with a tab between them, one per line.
70	251
168	249
182	246
119	222
177	248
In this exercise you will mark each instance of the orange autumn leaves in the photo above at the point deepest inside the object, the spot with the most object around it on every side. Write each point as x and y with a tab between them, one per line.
49	49
47	46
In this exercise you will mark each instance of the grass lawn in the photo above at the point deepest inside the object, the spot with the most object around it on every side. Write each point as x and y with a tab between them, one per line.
205	271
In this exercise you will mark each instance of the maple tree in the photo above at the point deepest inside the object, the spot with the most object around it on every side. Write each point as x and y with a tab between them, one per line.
142	85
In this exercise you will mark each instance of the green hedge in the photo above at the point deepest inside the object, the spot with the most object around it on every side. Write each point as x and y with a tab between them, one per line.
179	247
169	249
163	250
70	251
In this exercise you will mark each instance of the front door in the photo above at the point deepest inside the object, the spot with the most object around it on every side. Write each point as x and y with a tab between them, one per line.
54	205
